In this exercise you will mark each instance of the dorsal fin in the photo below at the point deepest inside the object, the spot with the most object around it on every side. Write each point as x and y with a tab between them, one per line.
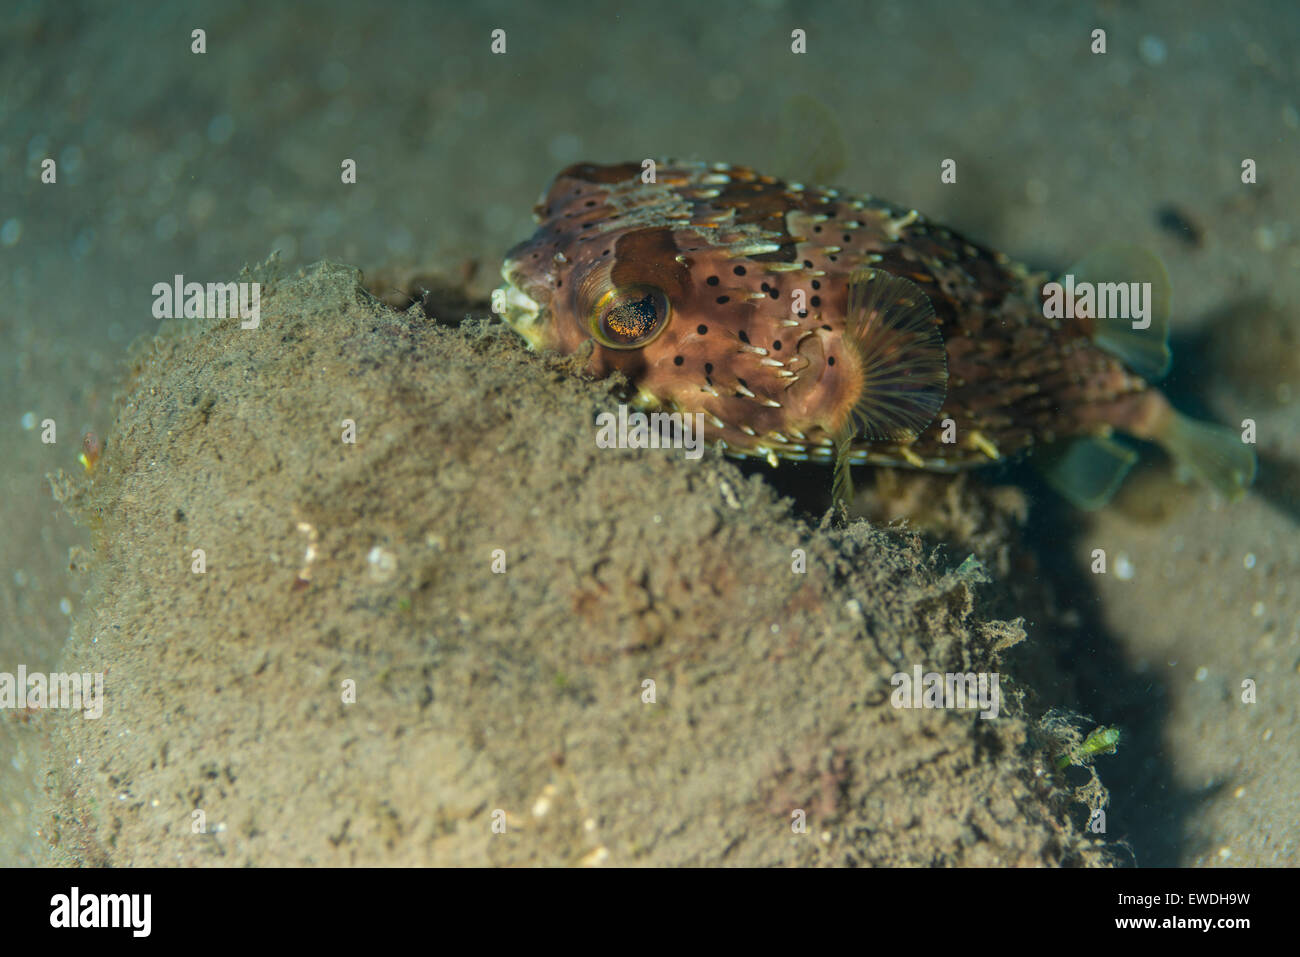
1144	350
812	146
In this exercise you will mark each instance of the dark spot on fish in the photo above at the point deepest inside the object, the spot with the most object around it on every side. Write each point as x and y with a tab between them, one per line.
816	300
774	292
833	259
826	327
816	284
848	238
708	368
807	264
744	336
765	287
776	345
817	229
678	360
830	360
743	383
605	253
712	280
739	270
702	329
590	202
722	299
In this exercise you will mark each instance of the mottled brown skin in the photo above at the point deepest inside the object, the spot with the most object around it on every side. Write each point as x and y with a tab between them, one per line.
730	247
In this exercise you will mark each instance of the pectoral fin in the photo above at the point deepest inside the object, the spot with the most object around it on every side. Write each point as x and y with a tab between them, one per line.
898	356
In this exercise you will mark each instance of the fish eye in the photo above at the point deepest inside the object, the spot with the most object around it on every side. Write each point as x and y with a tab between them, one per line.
630	317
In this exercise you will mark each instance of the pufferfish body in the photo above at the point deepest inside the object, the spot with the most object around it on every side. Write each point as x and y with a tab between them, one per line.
809	324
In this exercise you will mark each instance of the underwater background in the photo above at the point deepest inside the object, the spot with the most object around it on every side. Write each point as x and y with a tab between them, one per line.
175	162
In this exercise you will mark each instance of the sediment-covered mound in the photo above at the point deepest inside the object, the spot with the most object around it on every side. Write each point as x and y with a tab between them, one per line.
471	636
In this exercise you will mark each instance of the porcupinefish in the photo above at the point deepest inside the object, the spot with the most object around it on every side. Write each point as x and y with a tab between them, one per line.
810	324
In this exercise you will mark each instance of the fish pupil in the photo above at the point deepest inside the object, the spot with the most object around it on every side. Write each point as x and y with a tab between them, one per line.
633	318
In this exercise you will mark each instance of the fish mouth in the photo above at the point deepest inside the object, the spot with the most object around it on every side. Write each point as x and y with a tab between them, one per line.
517	309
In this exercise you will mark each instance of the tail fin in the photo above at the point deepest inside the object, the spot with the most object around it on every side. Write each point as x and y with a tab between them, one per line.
1215	454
